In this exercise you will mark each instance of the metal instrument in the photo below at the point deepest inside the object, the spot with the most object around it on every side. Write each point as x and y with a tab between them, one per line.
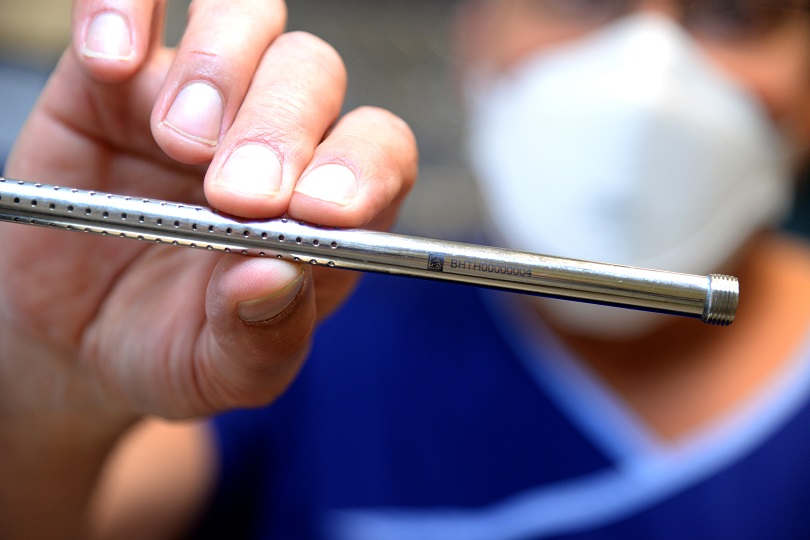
712	298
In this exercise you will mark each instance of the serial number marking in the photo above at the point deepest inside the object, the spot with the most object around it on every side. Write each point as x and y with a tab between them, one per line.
490	268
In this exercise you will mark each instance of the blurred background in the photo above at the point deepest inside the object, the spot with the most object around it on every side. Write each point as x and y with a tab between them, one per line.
395	52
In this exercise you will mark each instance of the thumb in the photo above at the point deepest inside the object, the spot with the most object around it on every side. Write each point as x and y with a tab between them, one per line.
260	318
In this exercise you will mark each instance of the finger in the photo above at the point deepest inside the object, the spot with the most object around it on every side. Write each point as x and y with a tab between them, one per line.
112	38
360	173
211	73
358	177
295	96
261	315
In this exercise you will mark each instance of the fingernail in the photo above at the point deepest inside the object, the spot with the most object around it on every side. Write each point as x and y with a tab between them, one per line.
197	113
267	307
253	169
331	183
109	37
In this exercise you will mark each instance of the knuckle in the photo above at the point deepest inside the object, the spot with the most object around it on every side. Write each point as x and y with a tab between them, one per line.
285	130
384	118
401	146
208	61
314	51
235	25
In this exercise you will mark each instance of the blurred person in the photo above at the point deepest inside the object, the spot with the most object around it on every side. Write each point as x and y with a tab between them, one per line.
654	133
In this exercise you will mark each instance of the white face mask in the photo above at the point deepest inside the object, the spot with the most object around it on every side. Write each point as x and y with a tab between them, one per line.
627	147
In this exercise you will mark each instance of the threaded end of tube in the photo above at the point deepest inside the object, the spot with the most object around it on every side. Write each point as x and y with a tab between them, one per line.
721	300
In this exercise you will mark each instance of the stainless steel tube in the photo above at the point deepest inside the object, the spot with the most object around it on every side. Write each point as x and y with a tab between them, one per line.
712	298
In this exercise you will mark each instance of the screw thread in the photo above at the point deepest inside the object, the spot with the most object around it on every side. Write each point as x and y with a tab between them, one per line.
721	299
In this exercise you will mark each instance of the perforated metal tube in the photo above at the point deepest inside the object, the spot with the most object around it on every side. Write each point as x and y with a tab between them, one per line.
711	298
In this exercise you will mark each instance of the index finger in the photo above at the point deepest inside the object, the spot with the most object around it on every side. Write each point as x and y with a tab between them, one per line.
211	73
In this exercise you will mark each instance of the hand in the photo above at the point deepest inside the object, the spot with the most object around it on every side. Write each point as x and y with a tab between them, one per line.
241	116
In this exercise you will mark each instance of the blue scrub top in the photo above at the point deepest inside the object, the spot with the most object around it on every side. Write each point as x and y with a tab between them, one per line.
438	411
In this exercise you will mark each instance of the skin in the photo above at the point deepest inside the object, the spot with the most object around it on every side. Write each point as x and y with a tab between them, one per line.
91	460
110	332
